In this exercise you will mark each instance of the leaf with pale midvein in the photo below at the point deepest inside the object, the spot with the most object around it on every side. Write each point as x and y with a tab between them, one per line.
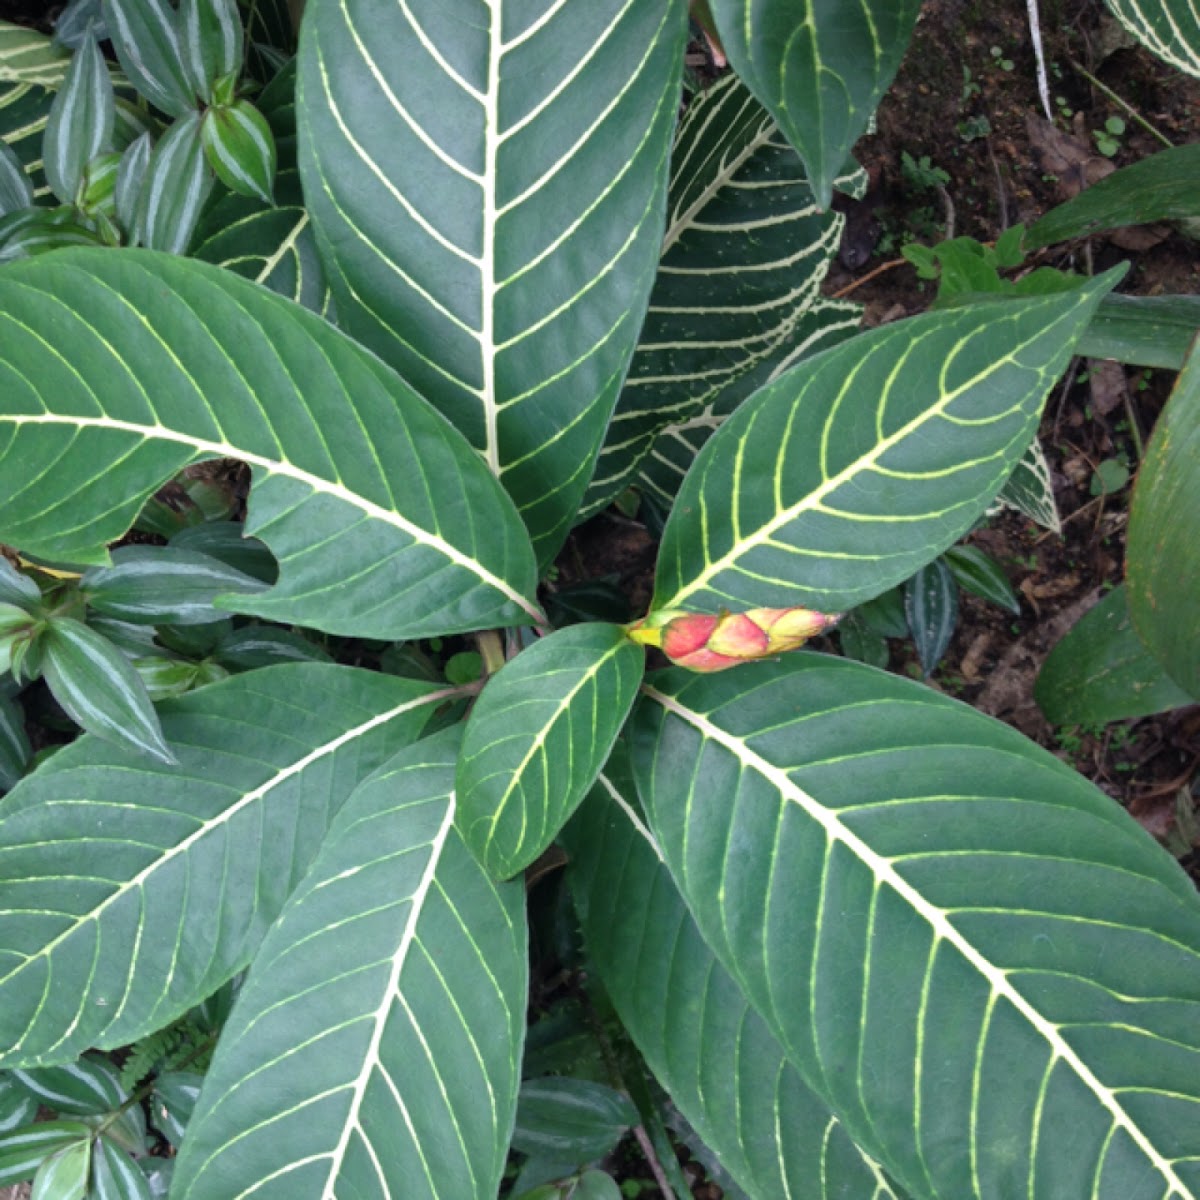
705	1044
488	194
963	946
537	737
744	255
859	465
824	324
387	1005
117	368
819	69
131	891
1171	28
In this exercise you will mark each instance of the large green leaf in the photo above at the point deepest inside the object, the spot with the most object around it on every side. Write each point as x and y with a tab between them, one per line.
820	69
988	970
1102	671
1163	555
823	325
1149	331
488	190
375	1049
744	255
117	368
700	1037
1171	28
1162	187
854	469
130	891
537	738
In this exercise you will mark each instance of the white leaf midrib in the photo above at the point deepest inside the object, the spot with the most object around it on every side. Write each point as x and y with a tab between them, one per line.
883	870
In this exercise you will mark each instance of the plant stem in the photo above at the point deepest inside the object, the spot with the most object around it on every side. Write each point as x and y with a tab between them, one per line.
1133	112
491	650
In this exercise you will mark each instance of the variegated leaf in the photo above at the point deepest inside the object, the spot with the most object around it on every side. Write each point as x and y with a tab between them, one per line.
744	255
488	191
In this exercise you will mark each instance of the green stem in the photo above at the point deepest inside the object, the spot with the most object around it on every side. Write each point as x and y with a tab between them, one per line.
1133	112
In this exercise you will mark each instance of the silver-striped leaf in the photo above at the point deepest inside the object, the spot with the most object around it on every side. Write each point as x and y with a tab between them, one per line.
538	736
855	468
743	257
488	189
130	891
387	1005
173	361
705	1044
819	69
964	947
1171	28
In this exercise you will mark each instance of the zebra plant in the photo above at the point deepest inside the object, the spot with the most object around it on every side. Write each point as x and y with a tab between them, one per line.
868	941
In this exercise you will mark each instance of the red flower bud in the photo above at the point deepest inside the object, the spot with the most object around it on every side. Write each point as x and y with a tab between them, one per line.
703	642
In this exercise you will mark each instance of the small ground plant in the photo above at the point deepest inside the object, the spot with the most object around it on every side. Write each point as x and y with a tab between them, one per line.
452	279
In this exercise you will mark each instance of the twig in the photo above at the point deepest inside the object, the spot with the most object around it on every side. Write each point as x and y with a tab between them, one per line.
1035	33
948	210
1133	112
857	283
1001	193
643	1140
1135	428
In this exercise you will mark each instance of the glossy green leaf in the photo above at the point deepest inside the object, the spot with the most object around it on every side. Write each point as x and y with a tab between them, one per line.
931	607
210	42
23	1150
64	1175
173	1102
166	677
883	872
226	542
743	256
852	470
174	188
1102	671
1171	28
81	121
131	176
86	1087
146	41
17	588
387	1004
115	1175
1148	331
1030	491
348	461
99	689
27	56
698	1034
17	1106
97	187
265	645
16	188
15	751
240	147
571	1120
489	194
163	585
1163	187
265	760
1163	550
982	575
821	326
819	69
538	736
